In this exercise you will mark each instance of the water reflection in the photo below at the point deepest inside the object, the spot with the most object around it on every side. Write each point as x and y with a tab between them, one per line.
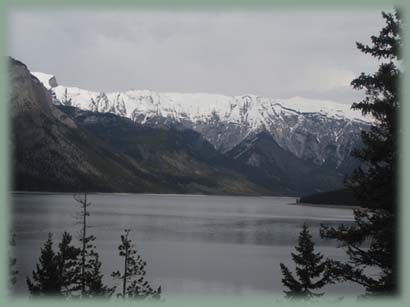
193	244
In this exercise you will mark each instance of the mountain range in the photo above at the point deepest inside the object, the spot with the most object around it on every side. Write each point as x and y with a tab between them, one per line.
321	131
66	138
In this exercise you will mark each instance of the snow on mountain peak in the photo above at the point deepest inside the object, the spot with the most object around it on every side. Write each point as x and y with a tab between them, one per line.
314	130
324	107
251	109
49	81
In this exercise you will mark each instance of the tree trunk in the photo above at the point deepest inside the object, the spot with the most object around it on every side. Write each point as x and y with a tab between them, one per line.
124	283
84	245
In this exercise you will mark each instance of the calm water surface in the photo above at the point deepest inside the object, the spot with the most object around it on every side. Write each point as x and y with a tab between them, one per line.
194	245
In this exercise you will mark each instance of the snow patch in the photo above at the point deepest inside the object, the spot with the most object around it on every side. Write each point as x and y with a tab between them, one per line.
49	81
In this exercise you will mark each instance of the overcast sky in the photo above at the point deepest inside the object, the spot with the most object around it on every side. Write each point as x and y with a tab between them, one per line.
278	54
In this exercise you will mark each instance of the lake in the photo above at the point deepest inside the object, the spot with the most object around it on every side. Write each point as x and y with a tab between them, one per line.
193	244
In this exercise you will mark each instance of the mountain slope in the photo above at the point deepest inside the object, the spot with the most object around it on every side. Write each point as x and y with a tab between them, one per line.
68	149
141	141
181	159
50	153
185	159
281	168
322	132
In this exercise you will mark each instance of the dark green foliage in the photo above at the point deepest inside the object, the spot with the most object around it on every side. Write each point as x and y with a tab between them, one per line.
375	182
371	241
340	197
134	284
311	270
67	259
94	280
45	278
55	274
90	277
12	262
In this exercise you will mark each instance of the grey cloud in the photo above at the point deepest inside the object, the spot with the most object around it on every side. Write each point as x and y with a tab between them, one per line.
272	53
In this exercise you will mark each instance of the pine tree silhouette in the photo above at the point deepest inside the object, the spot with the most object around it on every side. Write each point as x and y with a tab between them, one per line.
133	280
311	270
55	274
375	182
46	279
12	262
90	276
67	265
94	280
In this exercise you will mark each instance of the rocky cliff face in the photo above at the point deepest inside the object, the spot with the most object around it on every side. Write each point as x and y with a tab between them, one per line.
322	132
43	151
51	153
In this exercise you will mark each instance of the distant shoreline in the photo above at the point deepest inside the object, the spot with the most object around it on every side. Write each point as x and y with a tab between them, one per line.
327	205
195	195
156	194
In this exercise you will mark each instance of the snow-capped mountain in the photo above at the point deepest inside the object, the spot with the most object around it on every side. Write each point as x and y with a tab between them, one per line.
321	131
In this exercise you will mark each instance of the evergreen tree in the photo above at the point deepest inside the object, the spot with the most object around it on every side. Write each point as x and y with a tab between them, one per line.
311	270
371	240
94	280
12	262
134	272
86	241
67	265
89	276
45	277
55	273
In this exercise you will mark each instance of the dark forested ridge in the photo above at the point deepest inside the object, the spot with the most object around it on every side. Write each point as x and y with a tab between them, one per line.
181	159
342	197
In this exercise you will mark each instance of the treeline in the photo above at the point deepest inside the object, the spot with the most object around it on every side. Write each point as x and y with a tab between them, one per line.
341	197
75	272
